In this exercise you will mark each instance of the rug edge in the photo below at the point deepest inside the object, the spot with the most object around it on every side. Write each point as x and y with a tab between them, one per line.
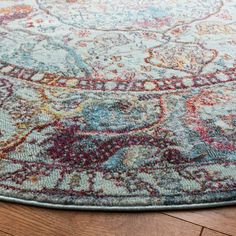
117	208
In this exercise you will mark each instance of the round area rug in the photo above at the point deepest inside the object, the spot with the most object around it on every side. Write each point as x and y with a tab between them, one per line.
118	105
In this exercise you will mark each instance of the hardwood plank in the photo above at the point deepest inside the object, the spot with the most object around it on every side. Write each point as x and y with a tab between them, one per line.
209	232
4	234
22	220
222	219
138	224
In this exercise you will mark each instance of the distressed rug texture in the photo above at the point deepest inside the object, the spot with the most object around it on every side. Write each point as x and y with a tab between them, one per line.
124	104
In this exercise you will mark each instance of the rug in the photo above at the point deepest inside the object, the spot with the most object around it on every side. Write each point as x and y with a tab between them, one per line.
118	105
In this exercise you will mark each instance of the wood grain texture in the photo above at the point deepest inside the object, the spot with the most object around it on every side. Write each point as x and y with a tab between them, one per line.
4	234
209	232
222	219
19	220
138	224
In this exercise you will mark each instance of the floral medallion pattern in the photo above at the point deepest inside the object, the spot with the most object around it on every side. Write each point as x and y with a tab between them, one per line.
129	104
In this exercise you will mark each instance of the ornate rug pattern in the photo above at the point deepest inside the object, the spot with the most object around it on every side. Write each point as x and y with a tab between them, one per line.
118	103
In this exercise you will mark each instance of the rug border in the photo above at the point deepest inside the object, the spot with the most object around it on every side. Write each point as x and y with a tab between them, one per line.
117	208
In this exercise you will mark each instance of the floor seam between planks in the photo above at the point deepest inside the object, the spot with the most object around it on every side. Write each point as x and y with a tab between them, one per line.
198	225
201	231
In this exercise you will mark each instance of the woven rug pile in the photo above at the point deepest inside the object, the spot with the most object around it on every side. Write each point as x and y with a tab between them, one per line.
118	104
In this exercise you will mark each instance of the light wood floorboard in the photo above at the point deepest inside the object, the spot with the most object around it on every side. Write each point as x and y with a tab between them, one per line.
221	219
20	220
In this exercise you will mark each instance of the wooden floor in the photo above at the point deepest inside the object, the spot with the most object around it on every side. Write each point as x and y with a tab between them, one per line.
30	221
